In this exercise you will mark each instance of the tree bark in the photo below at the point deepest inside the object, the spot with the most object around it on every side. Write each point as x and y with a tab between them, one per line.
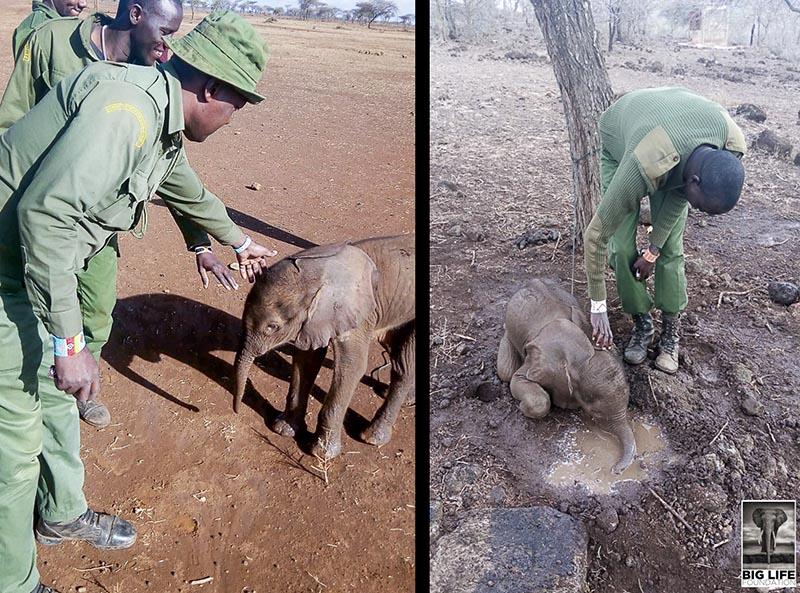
580	70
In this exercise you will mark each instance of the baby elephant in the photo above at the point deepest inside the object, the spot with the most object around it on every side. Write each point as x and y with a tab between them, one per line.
548	358
344	295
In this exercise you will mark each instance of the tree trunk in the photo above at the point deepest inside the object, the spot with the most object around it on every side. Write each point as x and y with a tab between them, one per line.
580	70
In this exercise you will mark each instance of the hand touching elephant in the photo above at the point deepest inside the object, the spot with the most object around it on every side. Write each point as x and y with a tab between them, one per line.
768	520
547	357
344	295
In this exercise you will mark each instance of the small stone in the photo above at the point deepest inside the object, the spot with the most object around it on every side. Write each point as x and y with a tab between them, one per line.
254	186
487	392
751	406
608	520
497	496
80	589
783	293
742	373
771	143
444	403
475	235
494	423
454	231
447	442
751	112
630	562
234	265
702	223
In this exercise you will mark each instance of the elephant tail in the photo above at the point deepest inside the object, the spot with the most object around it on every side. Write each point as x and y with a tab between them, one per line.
620	426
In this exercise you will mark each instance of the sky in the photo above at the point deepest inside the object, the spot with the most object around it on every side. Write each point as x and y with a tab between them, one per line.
403	6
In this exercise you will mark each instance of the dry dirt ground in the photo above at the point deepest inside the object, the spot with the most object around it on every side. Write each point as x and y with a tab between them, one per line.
218	495
500	167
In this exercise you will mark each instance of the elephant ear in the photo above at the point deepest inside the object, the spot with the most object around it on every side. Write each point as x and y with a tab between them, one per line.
781	518
758	517
343	296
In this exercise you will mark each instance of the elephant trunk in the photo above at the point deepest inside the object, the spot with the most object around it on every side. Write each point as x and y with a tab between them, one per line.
245	356
620	426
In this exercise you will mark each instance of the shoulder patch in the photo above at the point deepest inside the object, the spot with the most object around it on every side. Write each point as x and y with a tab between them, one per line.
735	141
657	156
26	52
137	113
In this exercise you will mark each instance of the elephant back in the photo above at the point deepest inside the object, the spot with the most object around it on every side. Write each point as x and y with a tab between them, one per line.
536	305
395	287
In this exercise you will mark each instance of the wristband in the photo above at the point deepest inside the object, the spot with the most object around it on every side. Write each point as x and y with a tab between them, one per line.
68	346
598	307
243	246
649	257
202	249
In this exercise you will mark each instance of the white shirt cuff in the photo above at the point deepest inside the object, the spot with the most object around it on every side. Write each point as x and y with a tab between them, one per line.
598	307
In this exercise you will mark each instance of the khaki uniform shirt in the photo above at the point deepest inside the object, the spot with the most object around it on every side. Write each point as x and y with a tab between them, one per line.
41	13
56	210
57	49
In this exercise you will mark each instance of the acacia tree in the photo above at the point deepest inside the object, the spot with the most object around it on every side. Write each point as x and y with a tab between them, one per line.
375	9
568	30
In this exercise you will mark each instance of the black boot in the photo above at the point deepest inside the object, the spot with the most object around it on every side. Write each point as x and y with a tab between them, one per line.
636	351
667	360
104	531
42	589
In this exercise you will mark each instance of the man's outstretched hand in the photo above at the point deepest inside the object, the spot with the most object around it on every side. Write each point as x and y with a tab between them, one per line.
253	260
209	262
601	331
77	375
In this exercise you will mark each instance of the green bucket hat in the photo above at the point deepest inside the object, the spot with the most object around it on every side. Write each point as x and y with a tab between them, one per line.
226	47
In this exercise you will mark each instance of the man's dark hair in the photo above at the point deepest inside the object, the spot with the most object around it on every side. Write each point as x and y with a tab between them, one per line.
721	178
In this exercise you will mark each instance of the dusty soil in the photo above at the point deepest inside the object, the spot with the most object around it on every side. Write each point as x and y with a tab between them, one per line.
218	495
500	167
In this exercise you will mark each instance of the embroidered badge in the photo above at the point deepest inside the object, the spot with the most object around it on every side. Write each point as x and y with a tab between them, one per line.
137	113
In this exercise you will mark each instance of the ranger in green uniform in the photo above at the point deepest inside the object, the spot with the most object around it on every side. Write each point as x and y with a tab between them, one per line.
41	11
56	212
62	47
680	149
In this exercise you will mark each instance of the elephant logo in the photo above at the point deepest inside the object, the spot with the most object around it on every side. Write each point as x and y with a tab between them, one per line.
768	543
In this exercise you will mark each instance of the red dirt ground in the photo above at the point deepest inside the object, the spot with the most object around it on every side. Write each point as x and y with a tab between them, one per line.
219	495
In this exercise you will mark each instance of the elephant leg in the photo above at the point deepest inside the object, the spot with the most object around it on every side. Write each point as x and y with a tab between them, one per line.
305	368
402	348
508	360
349	365
534	401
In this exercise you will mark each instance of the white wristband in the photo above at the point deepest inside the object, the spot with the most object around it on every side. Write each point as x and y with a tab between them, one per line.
202	249
243	246
598	307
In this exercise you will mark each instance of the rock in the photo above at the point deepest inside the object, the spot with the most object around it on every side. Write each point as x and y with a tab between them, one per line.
751	406
513	548
783	293
497	496
769	142
487	391
234	265
447	442
751	112
654	67
453	231
449	185
712	498
494	423
474	234
607	520
460	477
742	373
444	403
435	517
254	186
678	71
537	237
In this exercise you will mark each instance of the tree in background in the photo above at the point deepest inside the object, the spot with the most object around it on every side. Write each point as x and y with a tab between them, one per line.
569	33
407	19
372	10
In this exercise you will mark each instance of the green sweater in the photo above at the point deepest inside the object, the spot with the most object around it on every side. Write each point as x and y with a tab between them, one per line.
54	51
647	136
41	13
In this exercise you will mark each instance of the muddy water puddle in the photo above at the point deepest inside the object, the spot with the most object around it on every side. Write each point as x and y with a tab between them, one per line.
590	453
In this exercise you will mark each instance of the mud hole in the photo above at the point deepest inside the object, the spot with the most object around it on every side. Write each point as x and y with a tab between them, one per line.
500	169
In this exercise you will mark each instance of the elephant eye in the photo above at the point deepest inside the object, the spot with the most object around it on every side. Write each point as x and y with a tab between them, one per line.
271	327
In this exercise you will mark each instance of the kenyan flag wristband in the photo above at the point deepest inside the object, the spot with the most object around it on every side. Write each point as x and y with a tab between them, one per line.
68	346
